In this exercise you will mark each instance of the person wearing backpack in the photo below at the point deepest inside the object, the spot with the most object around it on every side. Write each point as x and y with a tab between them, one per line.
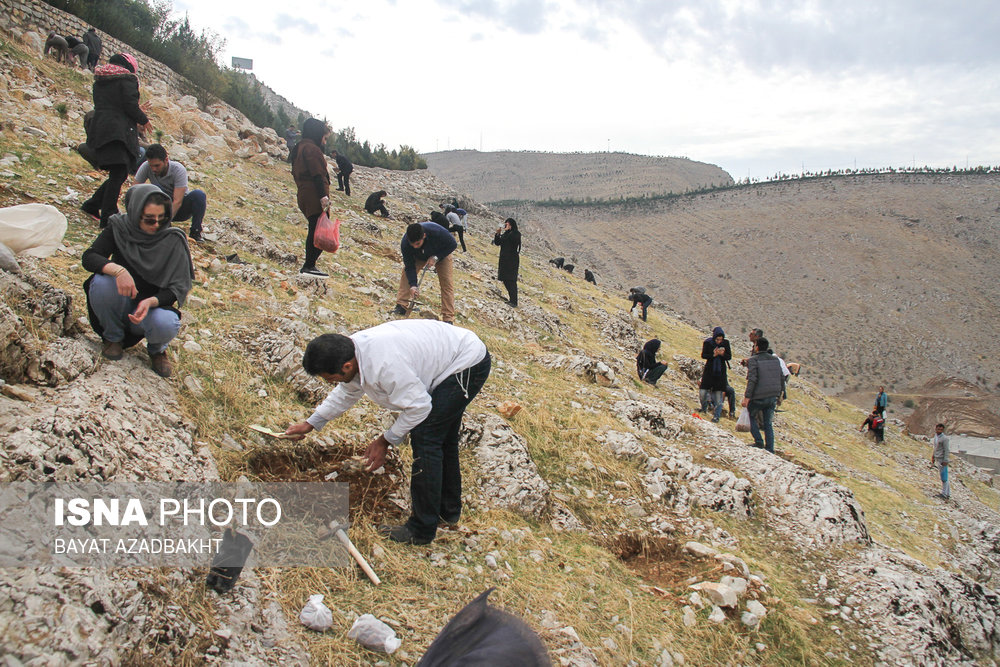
876	425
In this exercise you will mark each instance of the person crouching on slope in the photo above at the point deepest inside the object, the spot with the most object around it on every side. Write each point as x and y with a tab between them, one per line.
426	371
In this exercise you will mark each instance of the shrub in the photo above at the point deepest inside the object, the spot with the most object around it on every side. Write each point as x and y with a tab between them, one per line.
61	110
909	403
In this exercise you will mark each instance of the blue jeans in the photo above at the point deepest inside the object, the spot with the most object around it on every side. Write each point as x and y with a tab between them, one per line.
193	206
436	479
764	410
112	309
945	484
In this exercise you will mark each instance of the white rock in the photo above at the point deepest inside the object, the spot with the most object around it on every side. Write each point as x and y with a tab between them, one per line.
688	617
191	346
717	615
750	620
757	608
718	593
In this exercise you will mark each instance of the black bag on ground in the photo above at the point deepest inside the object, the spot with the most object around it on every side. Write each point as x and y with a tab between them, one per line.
484	635
228	563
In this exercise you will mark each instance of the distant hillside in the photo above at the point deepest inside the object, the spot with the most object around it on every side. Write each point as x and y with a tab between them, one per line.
507	175
866	279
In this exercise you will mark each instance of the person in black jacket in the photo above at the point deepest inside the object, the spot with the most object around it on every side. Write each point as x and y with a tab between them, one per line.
426	244
509	240
638	297
94	46
376	204
588	275
344	169
646	365
142	267
312	185
716	352
113	135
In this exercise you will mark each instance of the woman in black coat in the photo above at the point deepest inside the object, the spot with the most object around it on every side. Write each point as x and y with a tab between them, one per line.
716	352
509	240
113	136
646	365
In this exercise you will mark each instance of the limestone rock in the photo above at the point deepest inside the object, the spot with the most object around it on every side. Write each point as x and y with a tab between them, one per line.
720	594
507	477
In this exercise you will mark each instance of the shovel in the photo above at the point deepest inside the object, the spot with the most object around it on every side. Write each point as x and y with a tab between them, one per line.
420	281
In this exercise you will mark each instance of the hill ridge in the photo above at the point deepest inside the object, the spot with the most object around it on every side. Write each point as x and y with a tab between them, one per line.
840	551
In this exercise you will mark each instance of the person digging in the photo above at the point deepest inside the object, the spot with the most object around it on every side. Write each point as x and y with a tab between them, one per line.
428	372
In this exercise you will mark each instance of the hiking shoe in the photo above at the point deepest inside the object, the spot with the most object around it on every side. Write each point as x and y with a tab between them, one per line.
313	271
112	350
161	365
196	238
398	310
451	524
402	534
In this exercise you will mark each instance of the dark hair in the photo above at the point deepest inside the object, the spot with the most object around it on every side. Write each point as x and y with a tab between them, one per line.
327	354
414	232
156	152
757	332
513	224
381	193
119	59
941	425
762	344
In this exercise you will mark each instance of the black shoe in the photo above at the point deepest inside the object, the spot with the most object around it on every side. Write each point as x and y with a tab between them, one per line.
196	238
398	310
313	271
91	210
228	563
402	535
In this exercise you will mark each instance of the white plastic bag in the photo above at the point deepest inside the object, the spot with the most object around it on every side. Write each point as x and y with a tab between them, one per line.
743	423
32	229
316	615
374	634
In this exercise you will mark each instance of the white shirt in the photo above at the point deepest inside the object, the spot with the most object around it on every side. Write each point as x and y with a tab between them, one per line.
399	365
784	367
454	220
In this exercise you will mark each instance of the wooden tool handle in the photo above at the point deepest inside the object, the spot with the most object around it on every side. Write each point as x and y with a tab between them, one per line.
342	536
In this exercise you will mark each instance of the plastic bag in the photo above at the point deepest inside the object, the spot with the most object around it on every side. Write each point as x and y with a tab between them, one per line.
32	229
316	615
374	634
327	235
743	423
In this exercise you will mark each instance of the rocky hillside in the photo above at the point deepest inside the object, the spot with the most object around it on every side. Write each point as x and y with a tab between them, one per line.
499	176
622	527
866	280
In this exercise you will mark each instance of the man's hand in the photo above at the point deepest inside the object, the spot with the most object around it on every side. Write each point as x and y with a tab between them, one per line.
324	203
431	262
299	430
376	453
745	402
413	292
140	312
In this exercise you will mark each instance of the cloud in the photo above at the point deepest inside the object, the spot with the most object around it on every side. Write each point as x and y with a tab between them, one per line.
524	16
286	22
814	35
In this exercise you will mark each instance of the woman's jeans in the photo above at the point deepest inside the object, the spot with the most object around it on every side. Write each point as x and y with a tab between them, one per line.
436	479
159	327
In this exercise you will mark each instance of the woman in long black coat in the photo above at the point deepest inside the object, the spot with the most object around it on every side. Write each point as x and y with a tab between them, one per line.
509	240
113	135
716	352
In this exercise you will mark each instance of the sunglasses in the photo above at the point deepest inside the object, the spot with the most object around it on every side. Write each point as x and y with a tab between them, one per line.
153	219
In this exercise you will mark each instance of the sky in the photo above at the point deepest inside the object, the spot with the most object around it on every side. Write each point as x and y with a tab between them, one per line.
757	87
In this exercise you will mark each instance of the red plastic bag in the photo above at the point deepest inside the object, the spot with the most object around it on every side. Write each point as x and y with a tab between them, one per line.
327	236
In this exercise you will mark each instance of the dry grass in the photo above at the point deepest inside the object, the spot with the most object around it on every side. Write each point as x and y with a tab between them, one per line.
599	583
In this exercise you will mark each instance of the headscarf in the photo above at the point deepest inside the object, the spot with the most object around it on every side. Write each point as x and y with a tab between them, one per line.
646	358
513	232
313	130
717	362
163	258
